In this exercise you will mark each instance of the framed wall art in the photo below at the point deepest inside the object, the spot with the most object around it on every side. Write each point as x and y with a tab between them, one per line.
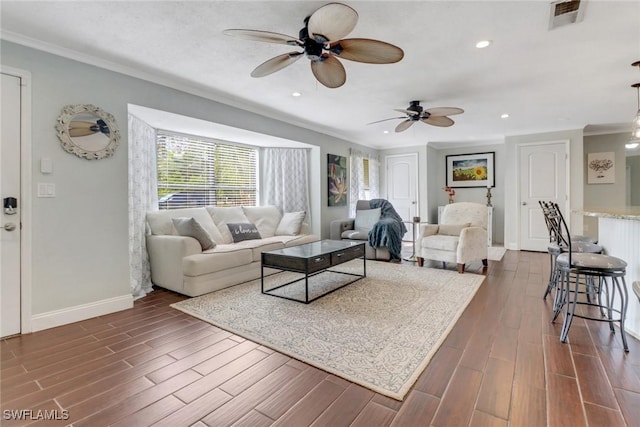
471	170
601	168
337	180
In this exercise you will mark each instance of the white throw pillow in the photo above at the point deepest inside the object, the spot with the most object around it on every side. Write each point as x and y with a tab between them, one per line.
366	219
265	218
225	215
290	223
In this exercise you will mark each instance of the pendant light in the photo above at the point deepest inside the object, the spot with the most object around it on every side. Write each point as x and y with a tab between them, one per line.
635	126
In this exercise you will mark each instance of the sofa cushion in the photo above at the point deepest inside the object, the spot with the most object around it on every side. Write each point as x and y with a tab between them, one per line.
290	223
160	221
226	256
241	231
366	219
440	242
452	229
192	228
355	234
261	245
223	215
266	218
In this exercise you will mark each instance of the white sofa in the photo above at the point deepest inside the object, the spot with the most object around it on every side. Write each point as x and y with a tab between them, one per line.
179	262
461	236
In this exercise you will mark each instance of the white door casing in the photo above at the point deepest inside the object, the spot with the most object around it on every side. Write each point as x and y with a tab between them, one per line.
402	186
10	187
15	181
543	176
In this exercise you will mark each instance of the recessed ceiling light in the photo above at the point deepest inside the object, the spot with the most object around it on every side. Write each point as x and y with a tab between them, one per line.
483	43
632	145
385	131
504	116
296	94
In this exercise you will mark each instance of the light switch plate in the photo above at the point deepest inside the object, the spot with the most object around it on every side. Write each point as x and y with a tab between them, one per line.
46	165
46	189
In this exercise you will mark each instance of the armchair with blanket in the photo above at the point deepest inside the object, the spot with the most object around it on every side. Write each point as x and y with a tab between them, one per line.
461	236
377	223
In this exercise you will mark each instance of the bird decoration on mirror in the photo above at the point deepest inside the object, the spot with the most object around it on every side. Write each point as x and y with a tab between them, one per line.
437	116
321	41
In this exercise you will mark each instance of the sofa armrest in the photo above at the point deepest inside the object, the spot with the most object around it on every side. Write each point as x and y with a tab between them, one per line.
165	258
424	231
338	226
473	244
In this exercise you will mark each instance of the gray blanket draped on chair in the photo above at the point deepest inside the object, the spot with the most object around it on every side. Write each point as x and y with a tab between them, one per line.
388	231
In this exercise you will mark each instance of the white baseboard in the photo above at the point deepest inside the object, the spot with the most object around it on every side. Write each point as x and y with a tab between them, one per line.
77	313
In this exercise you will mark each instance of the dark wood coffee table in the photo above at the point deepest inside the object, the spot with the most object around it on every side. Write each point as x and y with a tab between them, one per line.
311	259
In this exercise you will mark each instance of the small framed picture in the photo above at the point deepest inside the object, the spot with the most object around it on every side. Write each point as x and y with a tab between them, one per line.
471	170
601	168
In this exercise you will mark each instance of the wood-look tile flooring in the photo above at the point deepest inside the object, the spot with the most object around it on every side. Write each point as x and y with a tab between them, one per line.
502	365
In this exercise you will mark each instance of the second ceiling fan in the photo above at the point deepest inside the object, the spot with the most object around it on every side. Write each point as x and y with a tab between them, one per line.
437	116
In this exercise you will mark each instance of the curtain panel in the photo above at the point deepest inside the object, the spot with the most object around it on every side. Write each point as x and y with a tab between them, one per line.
286	179
143	197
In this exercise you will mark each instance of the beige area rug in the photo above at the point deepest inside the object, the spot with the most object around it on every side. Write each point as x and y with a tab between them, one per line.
379	332
496	253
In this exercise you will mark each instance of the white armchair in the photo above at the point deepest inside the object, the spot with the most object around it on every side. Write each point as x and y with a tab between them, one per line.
461	236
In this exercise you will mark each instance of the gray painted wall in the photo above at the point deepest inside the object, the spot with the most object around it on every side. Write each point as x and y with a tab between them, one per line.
606	195
633	163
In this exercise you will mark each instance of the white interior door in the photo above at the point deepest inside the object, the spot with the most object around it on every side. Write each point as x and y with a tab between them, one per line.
543	176
10	187
402	186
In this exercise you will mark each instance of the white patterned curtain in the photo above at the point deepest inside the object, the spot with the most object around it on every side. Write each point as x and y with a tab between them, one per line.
356	180
374	177
286	179
143	197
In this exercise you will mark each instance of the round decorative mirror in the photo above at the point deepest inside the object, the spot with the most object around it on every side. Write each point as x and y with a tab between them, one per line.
87	131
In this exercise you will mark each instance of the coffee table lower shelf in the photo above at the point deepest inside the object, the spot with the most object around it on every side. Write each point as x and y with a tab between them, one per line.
315	260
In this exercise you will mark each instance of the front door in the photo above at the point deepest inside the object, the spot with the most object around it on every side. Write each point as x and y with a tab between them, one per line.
11	213
402	186
543	176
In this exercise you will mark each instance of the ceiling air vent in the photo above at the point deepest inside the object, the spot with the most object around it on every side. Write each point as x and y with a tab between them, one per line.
565	12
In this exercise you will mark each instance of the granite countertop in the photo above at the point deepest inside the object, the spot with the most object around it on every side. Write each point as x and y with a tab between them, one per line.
625	212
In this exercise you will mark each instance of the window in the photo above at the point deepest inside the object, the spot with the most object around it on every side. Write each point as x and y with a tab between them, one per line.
196	171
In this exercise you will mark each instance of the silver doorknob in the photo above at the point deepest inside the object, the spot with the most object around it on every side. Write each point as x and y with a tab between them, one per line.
10	226
524	203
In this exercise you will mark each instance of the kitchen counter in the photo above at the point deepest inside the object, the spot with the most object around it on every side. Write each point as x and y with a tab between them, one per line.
619	235
627	212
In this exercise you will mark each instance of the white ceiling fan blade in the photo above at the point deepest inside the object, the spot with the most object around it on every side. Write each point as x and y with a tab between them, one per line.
409	112
276	64
333	21
404	125
444	111
369	51
329	72
263	36
441	121
384	120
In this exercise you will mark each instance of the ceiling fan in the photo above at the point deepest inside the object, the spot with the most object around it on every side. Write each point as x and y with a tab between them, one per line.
432	116
322	42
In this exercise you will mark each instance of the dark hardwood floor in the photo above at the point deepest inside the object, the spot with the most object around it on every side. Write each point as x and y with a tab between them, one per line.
502	365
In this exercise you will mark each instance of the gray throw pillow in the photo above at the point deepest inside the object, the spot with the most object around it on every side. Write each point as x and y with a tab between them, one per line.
192	228
243	231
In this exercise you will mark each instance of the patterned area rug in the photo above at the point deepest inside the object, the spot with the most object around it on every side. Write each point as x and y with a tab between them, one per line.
379	332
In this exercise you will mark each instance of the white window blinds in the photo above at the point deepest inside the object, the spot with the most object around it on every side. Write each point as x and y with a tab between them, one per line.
195	171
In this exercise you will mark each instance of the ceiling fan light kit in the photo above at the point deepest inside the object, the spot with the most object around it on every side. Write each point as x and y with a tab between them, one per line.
322	42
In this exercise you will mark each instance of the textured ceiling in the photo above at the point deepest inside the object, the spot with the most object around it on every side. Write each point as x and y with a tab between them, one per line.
546	80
